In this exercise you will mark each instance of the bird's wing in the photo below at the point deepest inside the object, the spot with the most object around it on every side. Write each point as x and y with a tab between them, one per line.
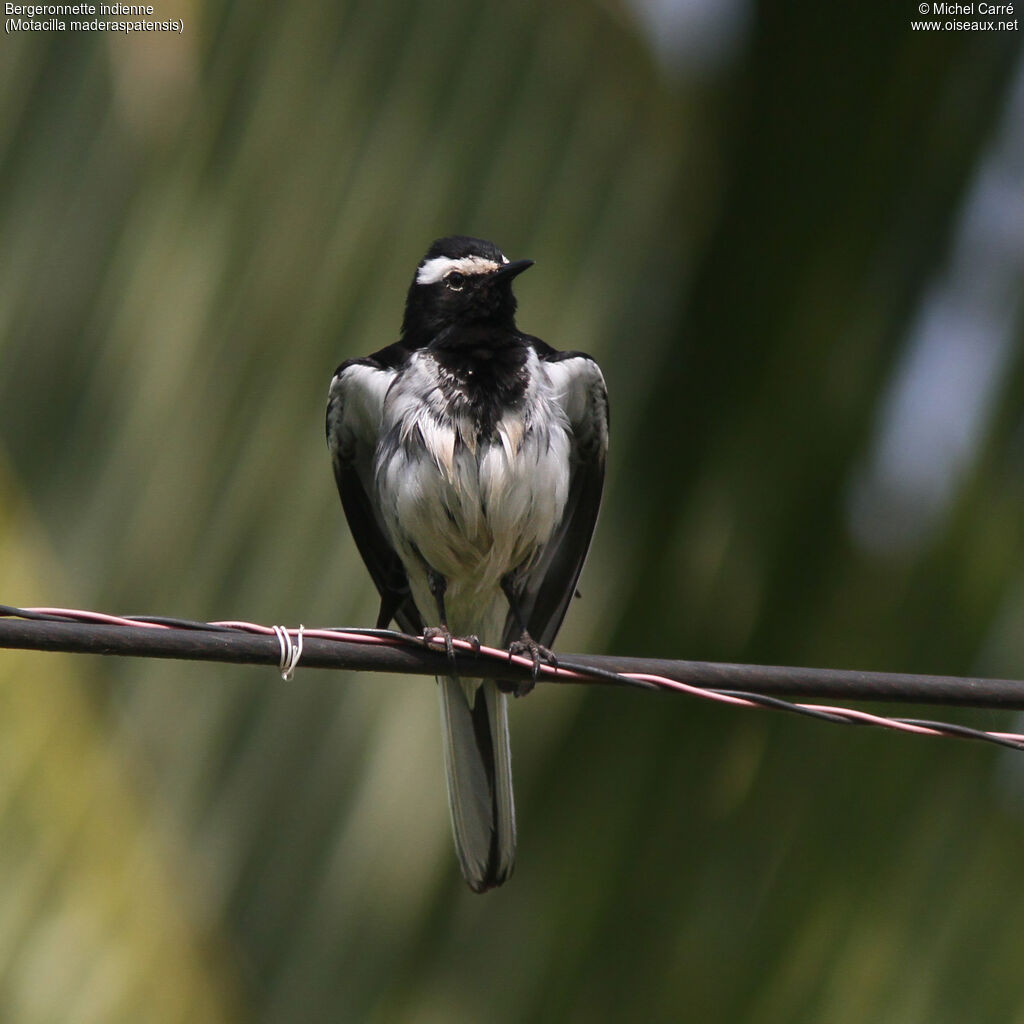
549	586
354	410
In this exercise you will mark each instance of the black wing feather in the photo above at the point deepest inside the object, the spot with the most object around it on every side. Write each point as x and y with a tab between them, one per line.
381	559
550	585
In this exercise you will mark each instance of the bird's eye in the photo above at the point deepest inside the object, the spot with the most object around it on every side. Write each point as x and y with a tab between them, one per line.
455	281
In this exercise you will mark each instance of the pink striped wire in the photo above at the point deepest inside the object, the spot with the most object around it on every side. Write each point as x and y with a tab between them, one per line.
851	715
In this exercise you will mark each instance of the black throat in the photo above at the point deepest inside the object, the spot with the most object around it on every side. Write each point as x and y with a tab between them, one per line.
483	371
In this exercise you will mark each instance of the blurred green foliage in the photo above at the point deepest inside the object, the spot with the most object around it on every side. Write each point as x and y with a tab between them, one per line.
196	229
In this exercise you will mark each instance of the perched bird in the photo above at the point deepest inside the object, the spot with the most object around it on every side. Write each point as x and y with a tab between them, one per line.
470	461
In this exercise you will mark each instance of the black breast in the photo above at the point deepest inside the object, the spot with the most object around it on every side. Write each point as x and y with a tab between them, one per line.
486	374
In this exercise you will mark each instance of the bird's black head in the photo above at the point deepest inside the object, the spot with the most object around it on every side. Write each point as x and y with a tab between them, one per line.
460	281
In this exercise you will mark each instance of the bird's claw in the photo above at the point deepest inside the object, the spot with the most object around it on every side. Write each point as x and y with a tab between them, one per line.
432	634
527	647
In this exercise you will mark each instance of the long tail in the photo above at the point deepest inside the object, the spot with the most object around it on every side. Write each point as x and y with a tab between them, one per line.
477	761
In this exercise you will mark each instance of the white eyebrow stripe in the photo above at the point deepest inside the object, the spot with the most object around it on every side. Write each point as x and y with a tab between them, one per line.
432	271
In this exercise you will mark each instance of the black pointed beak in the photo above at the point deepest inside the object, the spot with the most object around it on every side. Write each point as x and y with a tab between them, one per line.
507	271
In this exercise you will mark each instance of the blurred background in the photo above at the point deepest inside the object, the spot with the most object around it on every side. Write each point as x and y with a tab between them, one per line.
793	235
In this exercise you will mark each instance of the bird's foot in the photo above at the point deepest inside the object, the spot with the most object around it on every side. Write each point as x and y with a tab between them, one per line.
527	647
434	634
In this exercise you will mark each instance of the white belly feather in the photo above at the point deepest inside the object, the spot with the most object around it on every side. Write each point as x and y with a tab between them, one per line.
472	511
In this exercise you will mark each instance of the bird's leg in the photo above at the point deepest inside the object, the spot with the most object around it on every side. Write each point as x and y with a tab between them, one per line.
438	586
525	646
